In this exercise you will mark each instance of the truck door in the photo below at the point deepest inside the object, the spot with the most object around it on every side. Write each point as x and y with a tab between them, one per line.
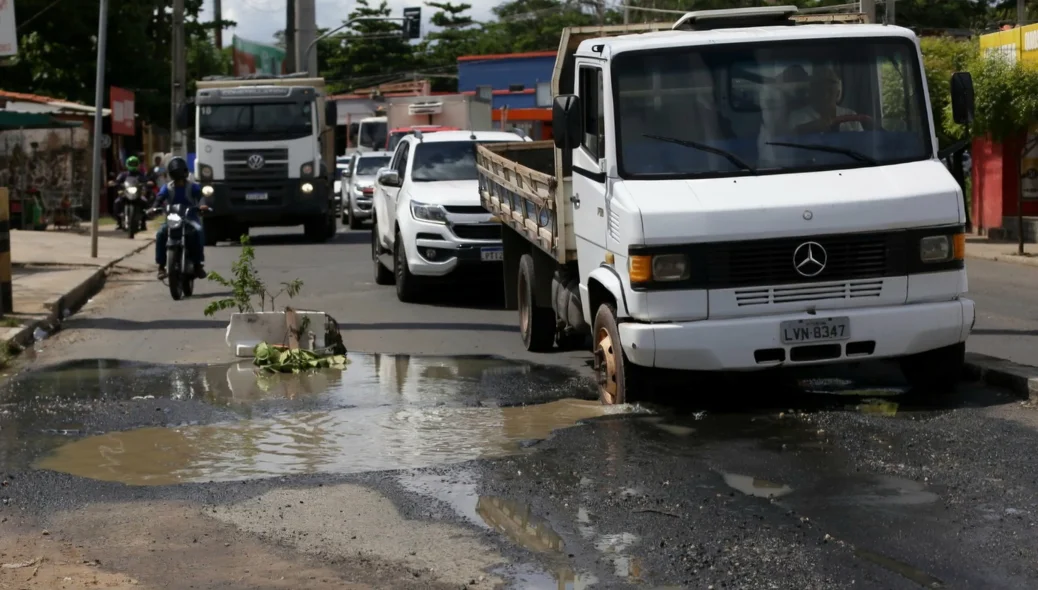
589	178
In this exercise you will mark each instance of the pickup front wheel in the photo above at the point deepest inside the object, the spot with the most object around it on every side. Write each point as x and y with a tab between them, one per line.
619	380
383	276
407	288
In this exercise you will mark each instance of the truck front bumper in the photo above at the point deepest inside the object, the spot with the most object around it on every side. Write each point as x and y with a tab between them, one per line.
755	343
269	203
436	249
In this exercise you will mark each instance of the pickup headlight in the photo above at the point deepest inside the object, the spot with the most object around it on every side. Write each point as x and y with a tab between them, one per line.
357	190
207	191
662	268
943	248
425	212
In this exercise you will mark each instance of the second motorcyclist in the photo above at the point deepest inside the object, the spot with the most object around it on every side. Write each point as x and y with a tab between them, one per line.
133	168
180	191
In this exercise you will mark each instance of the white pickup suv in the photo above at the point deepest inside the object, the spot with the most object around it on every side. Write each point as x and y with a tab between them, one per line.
741	190
428	221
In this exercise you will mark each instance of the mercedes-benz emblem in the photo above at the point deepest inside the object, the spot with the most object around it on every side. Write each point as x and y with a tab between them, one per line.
809	259
255	161
808	215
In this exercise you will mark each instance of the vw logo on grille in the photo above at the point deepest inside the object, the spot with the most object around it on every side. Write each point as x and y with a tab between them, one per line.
255	161
809	259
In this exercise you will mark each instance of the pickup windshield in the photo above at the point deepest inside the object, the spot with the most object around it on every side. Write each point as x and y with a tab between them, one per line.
370	165
767	108
260	121
445	160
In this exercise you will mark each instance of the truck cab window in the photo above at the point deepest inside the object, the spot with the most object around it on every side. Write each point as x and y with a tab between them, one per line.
591	98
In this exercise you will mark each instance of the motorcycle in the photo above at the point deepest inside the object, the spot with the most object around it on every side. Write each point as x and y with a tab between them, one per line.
135	202
181	273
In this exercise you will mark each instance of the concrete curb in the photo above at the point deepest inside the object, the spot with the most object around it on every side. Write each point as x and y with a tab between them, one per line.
1021	380
72	301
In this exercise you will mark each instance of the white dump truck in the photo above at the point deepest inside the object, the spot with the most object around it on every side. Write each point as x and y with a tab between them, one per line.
265	154
739	190
429	114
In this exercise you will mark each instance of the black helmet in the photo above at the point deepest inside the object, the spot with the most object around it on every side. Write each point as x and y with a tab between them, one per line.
177	168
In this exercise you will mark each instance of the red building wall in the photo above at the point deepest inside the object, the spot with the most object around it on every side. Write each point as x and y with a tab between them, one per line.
996	182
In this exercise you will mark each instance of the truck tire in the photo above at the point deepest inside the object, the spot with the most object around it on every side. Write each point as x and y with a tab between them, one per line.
315	229
407	287
383	276
212	232
935	372
619	380
536	324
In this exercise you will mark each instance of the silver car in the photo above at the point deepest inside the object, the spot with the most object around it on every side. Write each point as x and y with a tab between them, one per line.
359	185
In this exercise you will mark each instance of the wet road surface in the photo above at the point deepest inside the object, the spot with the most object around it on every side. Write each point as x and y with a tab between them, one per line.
435	471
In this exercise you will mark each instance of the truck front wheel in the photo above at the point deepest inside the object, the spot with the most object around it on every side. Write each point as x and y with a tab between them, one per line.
536	324
935	372
619	380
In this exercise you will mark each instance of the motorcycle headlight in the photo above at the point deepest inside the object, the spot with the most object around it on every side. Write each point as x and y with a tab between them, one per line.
426	212
307	188
207	191
174	222
131	190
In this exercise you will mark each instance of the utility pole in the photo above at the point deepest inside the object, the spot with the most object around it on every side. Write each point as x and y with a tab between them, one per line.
627	12
891	12
306	34
868	8
179	78
1021	13
97	178
290	36
600	7
218	16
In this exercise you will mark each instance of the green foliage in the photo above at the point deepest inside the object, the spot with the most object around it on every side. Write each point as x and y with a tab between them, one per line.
942	57
278	359
371	52
1006	95
246	285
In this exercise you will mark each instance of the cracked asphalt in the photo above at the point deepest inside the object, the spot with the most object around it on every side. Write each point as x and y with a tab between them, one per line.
133	454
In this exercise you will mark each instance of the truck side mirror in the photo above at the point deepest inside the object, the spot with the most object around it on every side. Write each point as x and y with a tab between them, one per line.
186	115
963	106
331	113
567	121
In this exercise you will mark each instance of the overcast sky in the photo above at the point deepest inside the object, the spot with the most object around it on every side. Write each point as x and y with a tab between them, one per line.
259	19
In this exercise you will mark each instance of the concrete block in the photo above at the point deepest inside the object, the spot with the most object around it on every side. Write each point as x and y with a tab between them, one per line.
1021	380
246	330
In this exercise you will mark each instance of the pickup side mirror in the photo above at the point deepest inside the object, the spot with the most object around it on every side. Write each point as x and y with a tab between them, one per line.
567	122
389	178
963	105
186	115
346	172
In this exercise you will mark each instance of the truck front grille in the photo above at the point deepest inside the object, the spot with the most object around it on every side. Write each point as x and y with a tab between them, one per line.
771	262
275	191
485	231
274	164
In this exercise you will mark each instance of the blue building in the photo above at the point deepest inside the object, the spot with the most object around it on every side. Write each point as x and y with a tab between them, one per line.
521	84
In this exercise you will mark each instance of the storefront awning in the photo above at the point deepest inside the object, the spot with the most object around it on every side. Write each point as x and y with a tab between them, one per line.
15	120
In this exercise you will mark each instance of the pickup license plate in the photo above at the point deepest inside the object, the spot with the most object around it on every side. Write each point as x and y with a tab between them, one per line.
255	196
821	330
492	254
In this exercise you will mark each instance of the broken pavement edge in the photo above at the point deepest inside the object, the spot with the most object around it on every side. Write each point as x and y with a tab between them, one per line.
72	300
1021	380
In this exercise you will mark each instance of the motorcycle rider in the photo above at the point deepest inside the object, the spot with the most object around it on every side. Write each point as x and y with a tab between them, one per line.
180	191
132	169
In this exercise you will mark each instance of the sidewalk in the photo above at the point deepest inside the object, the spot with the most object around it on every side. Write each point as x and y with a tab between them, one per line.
985	249
53	275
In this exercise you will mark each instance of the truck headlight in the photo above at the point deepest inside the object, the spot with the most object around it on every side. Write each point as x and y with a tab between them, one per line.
662	268
943	248
207	191
306	170
426	212
307	188
205	172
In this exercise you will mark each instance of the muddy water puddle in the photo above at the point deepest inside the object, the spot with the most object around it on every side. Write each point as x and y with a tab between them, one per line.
382	413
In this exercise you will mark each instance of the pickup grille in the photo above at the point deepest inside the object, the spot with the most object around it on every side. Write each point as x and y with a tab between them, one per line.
466	209
770	262
275	164
486	231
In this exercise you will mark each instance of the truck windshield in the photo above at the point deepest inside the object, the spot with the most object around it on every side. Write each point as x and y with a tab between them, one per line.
369	166
444	160
373	134
766	108
260	121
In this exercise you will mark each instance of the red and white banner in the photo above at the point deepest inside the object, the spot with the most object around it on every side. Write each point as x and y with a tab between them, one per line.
122	112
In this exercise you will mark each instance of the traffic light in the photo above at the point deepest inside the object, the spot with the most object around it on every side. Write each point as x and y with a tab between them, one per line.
413	24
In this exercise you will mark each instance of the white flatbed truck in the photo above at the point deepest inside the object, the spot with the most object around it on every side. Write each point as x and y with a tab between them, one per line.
741	190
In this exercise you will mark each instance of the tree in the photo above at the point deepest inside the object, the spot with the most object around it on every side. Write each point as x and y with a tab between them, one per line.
438	53
372	52
1006	108
942	57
